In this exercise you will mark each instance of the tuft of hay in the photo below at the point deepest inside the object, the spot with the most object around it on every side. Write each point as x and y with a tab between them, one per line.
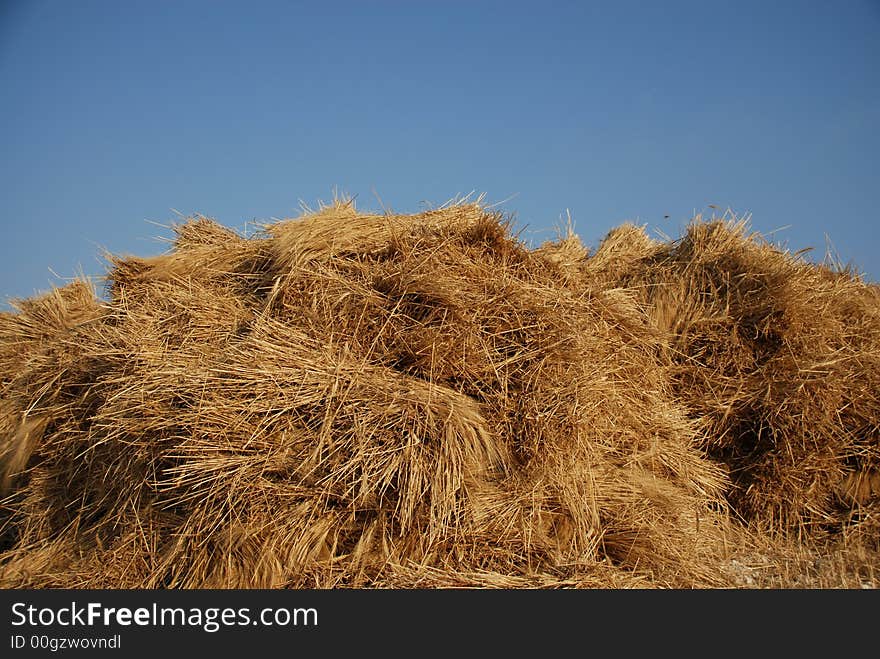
780	359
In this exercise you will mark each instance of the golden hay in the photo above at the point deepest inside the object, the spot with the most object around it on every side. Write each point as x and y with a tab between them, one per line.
781	359
349	400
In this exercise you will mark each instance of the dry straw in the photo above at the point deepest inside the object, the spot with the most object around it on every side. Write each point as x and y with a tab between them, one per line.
422	401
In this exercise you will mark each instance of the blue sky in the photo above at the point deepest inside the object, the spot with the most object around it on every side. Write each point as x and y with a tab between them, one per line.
115	113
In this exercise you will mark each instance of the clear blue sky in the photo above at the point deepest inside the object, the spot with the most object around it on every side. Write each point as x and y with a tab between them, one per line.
115	113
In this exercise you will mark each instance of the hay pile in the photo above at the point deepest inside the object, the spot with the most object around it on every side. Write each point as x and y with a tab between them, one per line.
779	357
387	400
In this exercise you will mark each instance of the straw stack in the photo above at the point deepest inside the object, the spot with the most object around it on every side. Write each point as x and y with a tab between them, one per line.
348	399
778	356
